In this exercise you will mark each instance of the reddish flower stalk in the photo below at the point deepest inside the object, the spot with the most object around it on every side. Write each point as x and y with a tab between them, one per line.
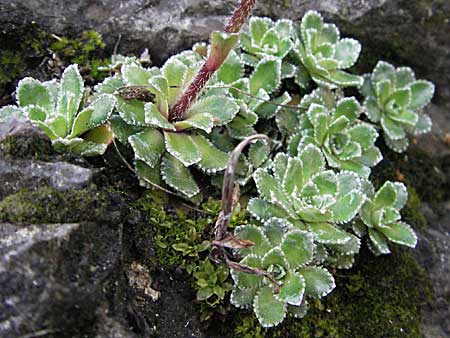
214	61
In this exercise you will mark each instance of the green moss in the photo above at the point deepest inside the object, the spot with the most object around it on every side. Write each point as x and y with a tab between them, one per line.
48	205
83	50
412	213
379	297
35	44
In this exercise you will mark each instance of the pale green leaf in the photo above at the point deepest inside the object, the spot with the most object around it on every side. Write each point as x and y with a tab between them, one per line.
154	118
421	93
182	147
267	75
95	114
222	109
177	176
269	311
298	247
33	92
292	289
400	233
347	52
319	282
148	146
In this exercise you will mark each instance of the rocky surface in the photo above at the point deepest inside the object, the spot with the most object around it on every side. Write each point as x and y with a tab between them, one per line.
412	32
65	269
433	253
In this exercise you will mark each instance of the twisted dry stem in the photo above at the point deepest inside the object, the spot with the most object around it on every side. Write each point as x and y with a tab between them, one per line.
211	65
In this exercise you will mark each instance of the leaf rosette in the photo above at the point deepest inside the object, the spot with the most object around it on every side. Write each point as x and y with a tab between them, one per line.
345	142
287	255
323	56
380	218
395	100
59	109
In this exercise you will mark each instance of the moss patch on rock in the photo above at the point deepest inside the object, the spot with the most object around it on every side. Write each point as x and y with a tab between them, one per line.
48	205
379	297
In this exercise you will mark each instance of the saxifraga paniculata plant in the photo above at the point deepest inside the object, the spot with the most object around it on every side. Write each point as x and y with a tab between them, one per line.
314	204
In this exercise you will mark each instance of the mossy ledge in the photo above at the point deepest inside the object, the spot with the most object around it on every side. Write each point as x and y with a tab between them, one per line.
48	205
379	297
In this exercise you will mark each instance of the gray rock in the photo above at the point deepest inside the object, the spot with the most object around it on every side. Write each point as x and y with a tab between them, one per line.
51	278
433	253
22	139
411	32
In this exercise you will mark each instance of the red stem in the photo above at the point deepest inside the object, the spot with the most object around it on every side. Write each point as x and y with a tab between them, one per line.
183	103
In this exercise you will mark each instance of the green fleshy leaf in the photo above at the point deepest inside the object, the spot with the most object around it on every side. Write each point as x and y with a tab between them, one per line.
343	79
311	20
182	147
392	129
348	107
292	289
379	241
231	70
72	86
254	234
221	44
35	113
299	311
298	247
154	118
148	146
423	124
12	112
402	97
212	159
258	27
383	71
401	196
131	111
274	229
319	282
371	156
246	280
222	109
326	182
121	129
421	93
400	233
313	161
135	75
347	52
269	311
268	109
328	234
364	134
203	121
148	174
79	146
258	153
347	207
109	85
177	176
386	196
293	176
243	297
404	76
267	75
95	114
33	92
275	257
372	110
262	210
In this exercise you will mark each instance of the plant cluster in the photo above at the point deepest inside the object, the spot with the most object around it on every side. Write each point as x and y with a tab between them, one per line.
314	202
